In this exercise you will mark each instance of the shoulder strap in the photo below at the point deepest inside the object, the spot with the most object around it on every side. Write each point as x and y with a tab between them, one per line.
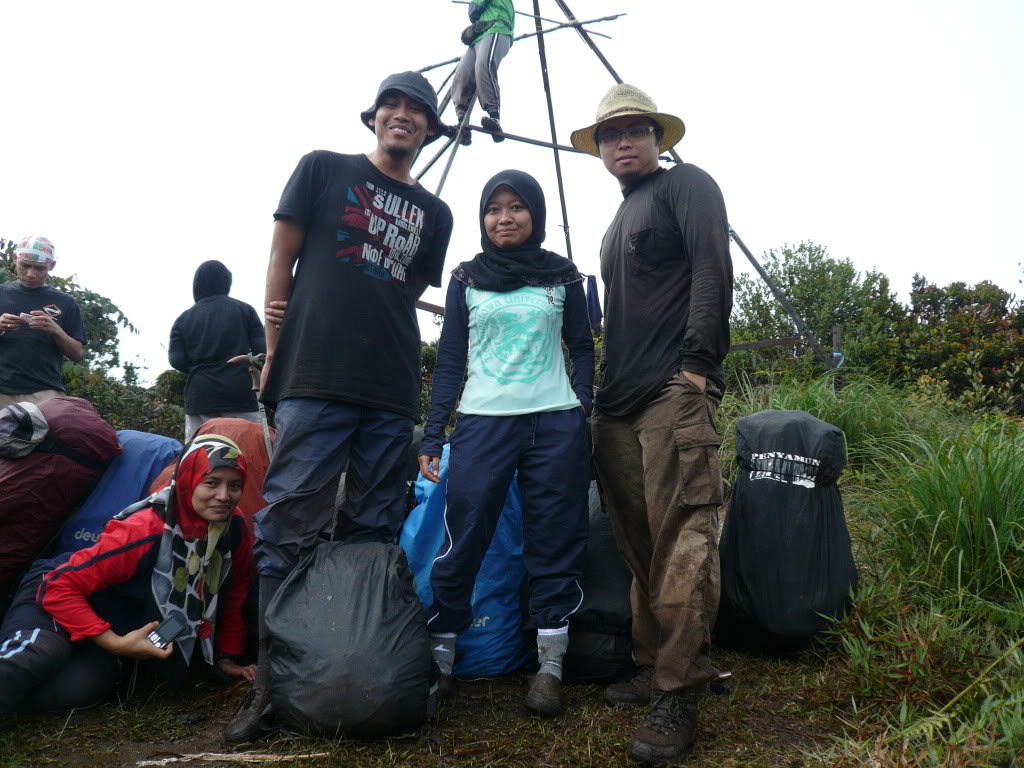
51	444
158	500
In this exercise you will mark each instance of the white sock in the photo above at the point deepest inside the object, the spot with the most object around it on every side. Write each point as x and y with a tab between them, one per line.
442	648
551	647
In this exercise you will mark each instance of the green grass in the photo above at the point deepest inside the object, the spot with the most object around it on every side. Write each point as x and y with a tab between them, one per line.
869	412
932	655
927	670
929	661
957	514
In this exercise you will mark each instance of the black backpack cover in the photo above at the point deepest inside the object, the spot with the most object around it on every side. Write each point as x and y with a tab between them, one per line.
785	549
600	641
349	647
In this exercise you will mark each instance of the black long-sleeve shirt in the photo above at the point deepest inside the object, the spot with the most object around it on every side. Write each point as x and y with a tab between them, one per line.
668	287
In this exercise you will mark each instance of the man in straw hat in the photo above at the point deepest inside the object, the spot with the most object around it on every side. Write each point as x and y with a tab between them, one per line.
668	293
356	241
39	327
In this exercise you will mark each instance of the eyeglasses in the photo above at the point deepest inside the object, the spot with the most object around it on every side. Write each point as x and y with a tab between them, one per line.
633	133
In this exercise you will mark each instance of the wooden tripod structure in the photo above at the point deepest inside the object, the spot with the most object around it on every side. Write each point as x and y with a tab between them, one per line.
452	144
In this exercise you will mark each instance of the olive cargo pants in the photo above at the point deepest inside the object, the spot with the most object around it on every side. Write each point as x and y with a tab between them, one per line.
661	481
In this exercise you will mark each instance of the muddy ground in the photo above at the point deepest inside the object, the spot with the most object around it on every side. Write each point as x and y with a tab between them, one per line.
774	713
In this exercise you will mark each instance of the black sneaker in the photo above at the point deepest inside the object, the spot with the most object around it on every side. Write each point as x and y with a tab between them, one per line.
668	733
464	136
635	693
493	127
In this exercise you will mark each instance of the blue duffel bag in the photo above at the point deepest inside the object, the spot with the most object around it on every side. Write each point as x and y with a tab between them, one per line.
495	644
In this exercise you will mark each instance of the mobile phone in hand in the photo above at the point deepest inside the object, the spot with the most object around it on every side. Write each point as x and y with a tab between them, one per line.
168	630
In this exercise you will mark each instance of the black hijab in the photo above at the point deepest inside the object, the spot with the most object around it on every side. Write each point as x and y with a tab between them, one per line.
508	269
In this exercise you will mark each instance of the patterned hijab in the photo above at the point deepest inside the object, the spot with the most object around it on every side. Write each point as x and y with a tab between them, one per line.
195	555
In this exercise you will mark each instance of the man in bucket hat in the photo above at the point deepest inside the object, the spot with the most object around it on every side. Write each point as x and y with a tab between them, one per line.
363	240
668	293
39	327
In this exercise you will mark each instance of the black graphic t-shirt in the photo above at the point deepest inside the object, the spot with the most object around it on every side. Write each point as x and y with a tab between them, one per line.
30	360
350	331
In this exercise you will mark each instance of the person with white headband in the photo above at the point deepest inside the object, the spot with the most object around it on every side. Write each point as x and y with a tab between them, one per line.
39	326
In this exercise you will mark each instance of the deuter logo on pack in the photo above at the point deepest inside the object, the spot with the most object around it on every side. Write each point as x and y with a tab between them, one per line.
86	535
481	621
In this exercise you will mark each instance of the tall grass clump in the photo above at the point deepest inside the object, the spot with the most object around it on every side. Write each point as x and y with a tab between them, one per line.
956	510
932	654
871	413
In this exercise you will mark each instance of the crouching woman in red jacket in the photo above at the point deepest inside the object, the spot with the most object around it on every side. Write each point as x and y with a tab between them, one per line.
184	553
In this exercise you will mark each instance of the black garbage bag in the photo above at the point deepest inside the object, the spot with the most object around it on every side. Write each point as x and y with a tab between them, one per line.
349	647
786	558
600	644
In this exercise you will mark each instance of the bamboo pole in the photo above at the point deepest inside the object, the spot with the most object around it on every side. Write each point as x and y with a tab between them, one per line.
567	25
554	134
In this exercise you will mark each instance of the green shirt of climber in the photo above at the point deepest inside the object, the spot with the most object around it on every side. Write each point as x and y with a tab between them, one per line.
499	11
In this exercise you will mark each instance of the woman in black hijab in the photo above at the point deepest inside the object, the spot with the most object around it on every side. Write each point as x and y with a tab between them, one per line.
507	313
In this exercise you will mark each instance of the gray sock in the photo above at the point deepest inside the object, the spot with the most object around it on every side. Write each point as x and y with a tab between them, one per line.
550	650
442	648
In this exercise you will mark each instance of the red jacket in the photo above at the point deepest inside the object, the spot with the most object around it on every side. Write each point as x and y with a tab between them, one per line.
106	585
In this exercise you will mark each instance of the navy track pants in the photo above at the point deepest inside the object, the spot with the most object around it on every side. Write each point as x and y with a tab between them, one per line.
551	451
317	440
41	669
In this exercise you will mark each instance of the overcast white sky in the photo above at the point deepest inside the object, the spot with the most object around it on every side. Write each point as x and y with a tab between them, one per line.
144	138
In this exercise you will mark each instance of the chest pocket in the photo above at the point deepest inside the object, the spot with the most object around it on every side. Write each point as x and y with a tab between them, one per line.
641	254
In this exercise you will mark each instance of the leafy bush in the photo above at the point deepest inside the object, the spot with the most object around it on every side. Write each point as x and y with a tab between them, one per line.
824	291
170	387
124	403
968	339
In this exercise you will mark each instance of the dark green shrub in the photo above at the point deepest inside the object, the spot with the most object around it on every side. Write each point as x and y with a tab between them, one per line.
124	403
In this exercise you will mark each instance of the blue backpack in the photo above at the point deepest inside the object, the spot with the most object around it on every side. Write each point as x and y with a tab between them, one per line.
495	644
125	481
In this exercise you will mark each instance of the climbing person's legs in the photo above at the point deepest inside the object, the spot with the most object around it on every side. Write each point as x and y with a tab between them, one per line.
463	89
491	50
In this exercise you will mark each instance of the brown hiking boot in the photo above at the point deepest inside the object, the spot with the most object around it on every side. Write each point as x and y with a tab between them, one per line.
635	693
545	696
666	736
245	725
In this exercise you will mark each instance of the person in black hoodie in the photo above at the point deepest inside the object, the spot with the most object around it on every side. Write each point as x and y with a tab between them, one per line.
203	338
